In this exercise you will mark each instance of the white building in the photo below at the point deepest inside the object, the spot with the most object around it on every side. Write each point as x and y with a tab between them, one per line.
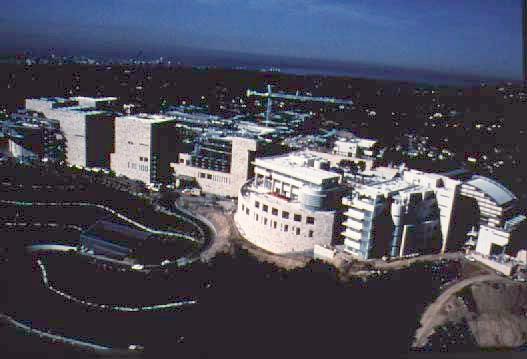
87	130
144	147
291	204
355	147
219	165
499	216
398	216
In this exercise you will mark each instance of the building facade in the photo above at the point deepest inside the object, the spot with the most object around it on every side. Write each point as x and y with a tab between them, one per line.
145	145
290	205
88	132
500	220
220	165
408	214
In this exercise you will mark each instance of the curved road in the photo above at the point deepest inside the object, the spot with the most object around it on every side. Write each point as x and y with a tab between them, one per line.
432	317
116	308
187	217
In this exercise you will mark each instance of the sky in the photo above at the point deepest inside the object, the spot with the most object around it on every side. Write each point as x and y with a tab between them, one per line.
479	37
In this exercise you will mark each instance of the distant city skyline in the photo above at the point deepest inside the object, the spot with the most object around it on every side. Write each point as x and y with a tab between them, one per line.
473	37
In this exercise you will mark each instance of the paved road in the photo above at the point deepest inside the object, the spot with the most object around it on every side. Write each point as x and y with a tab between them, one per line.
432	316
53	337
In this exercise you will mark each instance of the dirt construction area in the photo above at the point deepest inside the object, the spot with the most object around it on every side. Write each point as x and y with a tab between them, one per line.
220	213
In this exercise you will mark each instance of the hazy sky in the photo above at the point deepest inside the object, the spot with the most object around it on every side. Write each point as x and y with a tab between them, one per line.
463	36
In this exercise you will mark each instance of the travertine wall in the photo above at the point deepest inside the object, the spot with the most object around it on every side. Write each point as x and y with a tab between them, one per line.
259	228
132	142
73	126
214	182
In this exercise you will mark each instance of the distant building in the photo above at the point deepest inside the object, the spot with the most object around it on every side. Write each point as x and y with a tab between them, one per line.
31	137
219	165
356	147
291	204
88	131
145	145
398	216
97	103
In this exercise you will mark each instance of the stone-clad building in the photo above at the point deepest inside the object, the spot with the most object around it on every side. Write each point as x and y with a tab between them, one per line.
88	131
144	147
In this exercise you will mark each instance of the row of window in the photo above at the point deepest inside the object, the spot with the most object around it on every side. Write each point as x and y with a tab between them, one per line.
143	159
285	214
274	224
140	167
215	178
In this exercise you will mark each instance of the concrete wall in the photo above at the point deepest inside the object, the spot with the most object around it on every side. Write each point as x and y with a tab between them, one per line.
488	236
505	268
277	234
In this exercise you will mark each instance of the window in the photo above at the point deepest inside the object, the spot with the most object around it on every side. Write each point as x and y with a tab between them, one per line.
201	175
130	143
286	228
257	217
265	208
181	160
298	231
256	204
298	218
243	207
274	212
310	233
247	211
285	214
209	176
274	224
265	221
310	220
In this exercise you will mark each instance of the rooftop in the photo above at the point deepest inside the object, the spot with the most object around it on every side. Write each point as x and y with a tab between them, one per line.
96	99
86	110
148	118
493	189
295	165
391	186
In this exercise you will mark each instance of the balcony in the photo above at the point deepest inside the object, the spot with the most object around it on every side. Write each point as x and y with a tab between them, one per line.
357	225
249	187
355	213
352	244
352	233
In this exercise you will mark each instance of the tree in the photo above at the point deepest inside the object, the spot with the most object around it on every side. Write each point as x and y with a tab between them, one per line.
349	165
452	337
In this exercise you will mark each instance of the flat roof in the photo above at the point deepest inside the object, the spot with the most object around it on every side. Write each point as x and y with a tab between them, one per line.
285	164
493	189
393	185
115	233
86	110
148	118
96	99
